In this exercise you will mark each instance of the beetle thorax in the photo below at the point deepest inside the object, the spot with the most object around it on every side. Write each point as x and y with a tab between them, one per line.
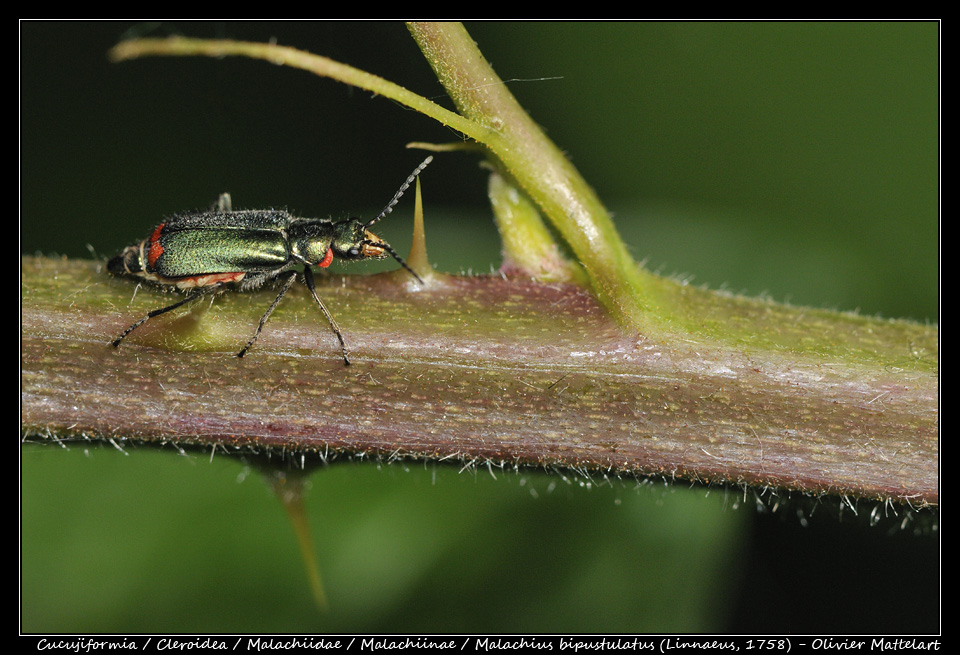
310	240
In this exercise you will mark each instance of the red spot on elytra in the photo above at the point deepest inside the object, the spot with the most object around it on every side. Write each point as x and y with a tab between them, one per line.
327	259
155	250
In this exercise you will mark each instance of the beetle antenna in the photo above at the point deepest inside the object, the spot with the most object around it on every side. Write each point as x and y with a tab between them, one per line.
393	253
396	199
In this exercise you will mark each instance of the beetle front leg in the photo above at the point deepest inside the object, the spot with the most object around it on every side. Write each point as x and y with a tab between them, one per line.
266	314
308	276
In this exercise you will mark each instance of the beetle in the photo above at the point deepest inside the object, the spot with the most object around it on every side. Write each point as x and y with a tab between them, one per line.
212	252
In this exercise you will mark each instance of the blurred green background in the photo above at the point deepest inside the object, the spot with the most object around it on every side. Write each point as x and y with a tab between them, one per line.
798	160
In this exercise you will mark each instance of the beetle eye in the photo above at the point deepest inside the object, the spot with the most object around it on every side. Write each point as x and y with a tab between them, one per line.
354	252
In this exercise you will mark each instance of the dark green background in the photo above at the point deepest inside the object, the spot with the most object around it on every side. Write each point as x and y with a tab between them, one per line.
798	160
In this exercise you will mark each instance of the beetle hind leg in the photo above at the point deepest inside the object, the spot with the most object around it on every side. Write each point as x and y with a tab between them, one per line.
163	310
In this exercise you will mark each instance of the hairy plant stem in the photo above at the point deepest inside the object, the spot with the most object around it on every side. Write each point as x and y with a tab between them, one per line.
504	372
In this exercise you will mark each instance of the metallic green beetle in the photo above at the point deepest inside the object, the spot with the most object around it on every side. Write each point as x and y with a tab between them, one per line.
212	252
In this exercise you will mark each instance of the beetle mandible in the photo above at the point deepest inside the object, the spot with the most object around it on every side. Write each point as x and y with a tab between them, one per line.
211	252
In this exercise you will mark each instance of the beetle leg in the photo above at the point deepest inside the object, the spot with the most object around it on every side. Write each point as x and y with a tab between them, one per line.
266	314
308	276
163	310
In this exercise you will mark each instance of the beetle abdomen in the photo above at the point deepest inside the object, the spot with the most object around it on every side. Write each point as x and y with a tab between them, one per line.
128	262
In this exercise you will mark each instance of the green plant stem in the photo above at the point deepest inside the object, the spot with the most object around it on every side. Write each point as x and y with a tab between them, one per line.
544	173
286	56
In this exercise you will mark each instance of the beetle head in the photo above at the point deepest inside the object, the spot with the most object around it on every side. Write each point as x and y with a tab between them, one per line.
352	241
